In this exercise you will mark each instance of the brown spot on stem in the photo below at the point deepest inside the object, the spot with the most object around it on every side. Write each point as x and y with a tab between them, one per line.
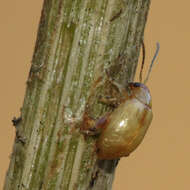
116	16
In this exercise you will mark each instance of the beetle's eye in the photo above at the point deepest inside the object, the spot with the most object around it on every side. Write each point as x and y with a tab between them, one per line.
136	84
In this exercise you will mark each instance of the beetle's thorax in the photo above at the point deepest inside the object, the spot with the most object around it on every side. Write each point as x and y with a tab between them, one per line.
140	92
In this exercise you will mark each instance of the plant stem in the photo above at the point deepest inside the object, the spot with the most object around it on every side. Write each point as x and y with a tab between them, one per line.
77	42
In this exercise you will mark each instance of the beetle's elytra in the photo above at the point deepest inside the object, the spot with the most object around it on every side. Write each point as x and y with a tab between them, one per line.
124	129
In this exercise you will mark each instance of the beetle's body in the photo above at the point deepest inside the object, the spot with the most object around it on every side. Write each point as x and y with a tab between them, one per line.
124	128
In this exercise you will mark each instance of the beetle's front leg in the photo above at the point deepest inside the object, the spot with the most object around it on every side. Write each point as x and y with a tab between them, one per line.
109	101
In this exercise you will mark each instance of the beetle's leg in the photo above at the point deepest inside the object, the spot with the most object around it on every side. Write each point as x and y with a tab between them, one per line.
91	127
118	86
114	92
87	126
110	101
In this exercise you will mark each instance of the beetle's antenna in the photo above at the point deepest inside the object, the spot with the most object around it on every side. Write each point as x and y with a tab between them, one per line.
143	60
152	62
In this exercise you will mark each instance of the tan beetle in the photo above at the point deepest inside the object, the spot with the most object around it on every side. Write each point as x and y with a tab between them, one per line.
124	129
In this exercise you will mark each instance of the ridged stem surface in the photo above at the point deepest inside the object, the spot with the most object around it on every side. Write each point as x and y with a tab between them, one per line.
77	42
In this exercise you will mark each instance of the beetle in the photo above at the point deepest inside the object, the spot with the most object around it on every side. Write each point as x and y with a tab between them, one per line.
123	129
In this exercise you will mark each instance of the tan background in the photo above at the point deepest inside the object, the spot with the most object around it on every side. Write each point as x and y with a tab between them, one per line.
162	161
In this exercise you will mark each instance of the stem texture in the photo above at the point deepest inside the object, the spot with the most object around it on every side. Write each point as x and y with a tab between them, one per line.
77	42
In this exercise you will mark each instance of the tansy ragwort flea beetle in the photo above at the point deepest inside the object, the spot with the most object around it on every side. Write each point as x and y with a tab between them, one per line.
124	129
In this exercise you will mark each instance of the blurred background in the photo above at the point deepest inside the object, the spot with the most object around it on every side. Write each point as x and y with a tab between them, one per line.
162	160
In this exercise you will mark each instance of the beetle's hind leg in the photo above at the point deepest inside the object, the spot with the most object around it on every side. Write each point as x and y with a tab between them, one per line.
93	127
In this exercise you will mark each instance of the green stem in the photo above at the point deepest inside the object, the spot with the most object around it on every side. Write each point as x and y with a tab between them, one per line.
77	41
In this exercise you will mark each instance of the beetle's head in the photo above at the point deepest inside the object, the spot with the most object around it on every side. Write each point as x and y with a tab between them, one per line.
138	89
141	92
